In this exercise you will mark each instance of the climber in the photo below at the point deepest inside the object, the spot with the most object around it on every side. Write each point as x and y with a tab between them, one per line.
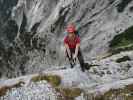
72	46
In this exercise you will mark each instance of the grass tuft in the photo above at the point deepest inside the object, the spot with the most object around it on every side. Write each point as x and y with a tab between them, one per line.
54	80
69	93
125	93
4	89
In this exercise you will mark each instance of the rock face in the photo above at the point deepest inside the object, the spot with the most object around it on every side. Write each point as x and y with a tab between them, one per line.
31	31
42	91
100	83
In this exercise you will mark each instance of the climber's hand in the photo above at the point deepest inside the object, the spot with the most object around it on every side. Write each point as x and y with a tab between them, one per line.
74	56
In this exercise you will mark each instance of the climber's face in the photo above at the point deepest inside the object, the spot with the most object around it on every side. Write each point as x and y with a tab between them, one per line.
71	35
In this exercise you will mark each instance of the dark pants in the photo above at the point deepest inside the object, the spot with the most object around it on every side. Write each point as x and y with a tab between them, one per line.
79	56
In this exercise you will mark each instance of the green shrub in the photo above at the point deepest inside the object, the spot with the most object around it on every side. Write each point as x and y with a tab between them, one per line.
122	42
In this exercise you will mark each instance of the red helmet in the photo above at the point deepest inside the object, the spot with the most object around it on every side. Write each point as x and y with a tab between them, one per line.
71	28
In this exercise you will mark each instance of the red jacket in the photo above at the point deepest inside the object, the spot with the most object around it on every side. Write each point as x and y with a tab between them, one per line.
72	43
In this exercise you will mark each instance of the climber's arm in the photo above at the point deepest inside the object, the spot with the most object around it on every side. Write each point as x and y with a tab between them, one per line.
68	50
77	49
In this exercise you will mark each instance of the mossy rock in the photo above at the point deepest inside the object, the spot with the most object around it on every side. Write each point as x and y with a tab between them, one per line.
54	80
69	93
